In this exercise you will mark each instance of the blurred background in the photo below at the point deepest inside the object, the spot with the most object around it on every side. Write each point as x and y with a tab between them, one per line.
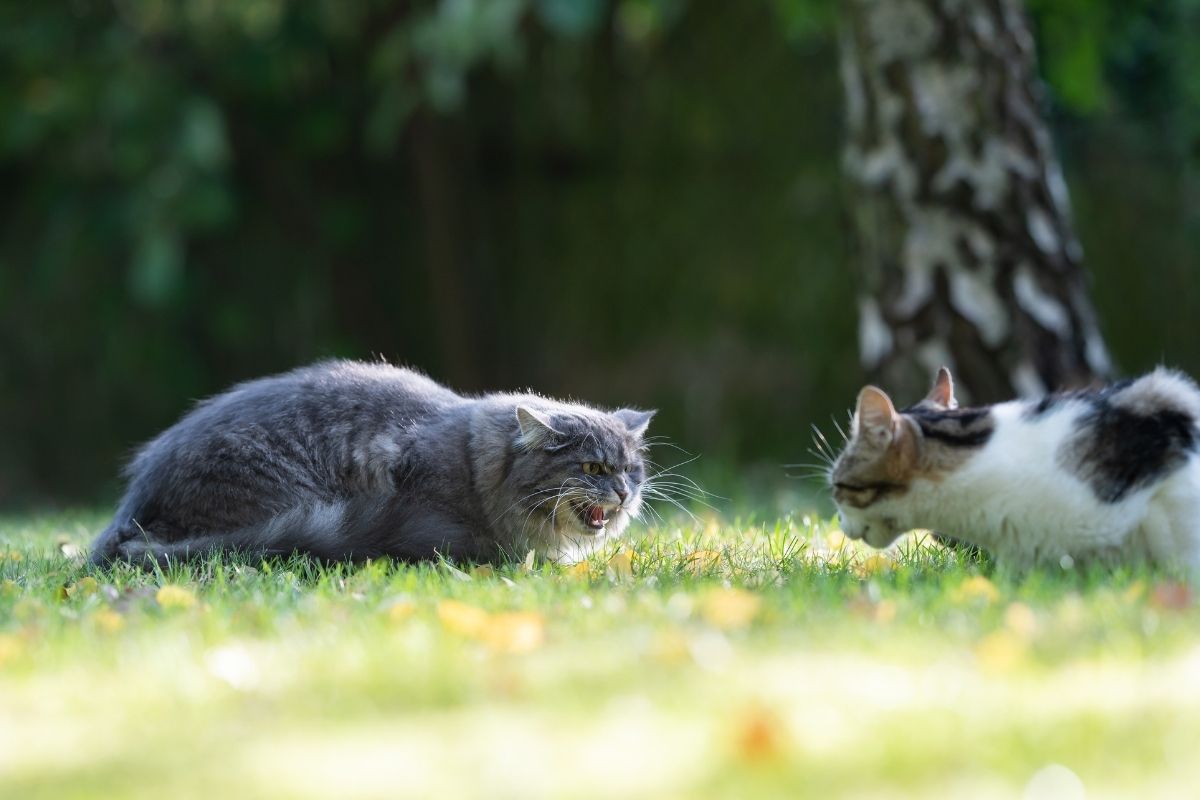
628	201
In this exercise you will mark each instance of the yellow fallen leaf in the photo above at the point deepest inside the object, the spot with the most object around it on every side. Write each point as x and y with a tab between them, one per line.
400	610
514	632
702	561
759	737
84	587
527	564
463	619
483	571
1020	619
1001	651
108	620
581	571
506	632
974	589
172	596
620	566
872	565
729	608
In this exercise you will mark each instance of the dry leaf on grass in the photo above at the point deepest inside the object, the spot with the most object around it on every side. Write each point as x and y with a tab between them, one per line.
400	610
172	596
759	737
83	588
872	565
620	566
581	571
455	572
461	618
515	632
505	632
108	621
1171	596
976	589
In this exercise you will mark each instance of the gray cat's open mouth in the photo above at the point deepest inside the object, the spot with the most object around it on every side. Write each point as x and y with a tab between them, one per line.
592	516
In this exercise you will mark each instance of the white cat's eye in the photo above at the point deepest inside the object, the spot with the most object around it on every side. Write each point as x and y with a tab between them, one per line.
593	468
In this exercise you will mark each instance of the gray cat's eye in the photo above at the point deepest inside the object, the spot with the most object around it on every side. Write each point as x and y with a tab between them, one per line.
596	468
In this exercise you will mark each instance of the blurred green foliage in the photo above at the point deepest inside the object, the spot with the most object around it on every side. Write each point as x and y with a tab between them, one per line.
627	200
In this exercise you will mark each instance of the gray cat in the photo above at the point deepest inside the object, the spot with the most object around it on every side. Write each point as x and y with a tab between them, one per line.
348	460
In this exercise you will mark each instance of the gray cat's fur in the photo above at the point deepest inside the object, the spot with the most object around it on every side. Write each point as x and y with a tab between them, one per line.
353	460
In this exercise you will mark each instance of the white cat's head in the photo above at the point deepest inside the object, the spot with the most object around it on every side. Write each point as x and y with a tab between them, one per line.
889	450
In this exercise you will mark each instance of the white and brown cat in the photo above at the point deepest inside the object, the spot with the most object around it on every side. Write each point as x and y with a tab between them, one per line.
1111	474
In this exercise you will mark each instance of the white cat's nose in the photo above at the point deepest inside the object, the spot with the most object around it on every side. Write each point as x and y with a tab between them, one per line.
852	528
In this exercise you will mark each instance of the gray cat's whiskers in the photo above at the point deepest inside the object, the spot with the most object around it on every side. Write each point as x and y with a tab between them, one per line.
521	500
555	496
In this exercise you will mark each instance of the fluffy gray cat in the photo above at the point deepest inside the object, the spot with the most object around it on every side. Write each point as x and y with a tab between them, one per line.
348	460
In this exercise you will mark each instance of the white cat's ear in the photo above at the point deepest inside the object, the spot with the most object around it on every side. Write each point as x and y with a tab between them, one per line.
636	421
942	393
535	427
875	415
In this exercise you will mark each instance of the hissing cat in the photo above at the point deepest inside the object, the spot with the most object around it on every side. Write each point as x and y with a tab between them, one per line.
352	460
1109	474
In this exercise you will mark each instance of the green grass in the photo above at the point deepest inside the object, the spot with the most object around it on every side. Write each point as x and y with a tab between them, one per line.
771	665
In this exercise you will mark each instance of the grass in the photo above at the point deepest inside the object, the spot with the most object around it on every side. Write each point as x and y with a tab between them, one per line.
722	659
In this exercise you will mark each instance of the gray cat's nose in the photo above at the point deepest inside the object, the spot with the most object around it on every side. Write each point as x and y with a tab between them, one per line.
622	493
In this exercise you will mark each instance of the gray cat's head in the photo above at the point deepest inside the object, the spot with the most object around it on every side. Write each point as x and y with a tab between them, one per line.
576	474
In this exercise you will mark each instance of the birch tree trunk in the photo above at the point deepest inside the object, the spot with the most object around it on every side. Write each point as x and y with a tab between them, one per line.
964	239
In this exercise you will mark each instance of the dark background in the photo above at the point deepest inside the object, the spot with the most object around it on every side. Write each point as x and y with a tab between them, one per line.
627	201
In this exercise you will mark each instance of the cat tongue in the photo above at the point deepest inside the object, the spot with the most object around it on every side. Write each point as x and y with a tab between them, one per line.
596	515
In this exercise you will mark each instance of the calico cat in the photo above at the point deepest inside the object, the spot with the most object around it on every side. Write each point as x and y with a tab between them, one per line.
348	460
1111	474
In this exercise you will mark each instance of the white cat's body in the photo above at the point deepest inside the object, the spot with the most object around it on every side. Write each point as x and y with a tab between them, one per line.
1111	475
1014	499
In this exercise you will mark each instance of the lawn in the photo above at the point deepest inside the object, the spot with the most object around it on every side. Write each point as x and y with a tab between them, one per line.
720	658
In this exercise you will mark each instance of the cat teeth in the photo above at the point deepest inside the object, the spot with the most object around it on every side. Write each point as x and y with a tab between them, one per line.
594	517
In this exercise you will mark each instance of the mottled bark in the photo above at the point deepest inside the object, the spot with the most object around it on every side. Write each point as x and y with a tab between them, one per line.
960	213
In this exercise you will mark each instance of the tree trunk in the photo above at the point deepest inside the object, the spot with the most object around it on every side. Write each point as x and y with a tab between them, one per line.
960	213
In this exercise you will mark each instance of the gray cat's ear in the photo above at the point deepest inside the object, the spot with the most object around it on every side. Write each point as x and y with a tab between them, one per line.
535	426
875	416
942	393
636	421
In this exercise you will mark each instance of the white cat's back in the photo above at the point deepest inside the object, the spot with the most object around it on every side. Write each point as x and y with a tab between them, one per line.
1037	493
